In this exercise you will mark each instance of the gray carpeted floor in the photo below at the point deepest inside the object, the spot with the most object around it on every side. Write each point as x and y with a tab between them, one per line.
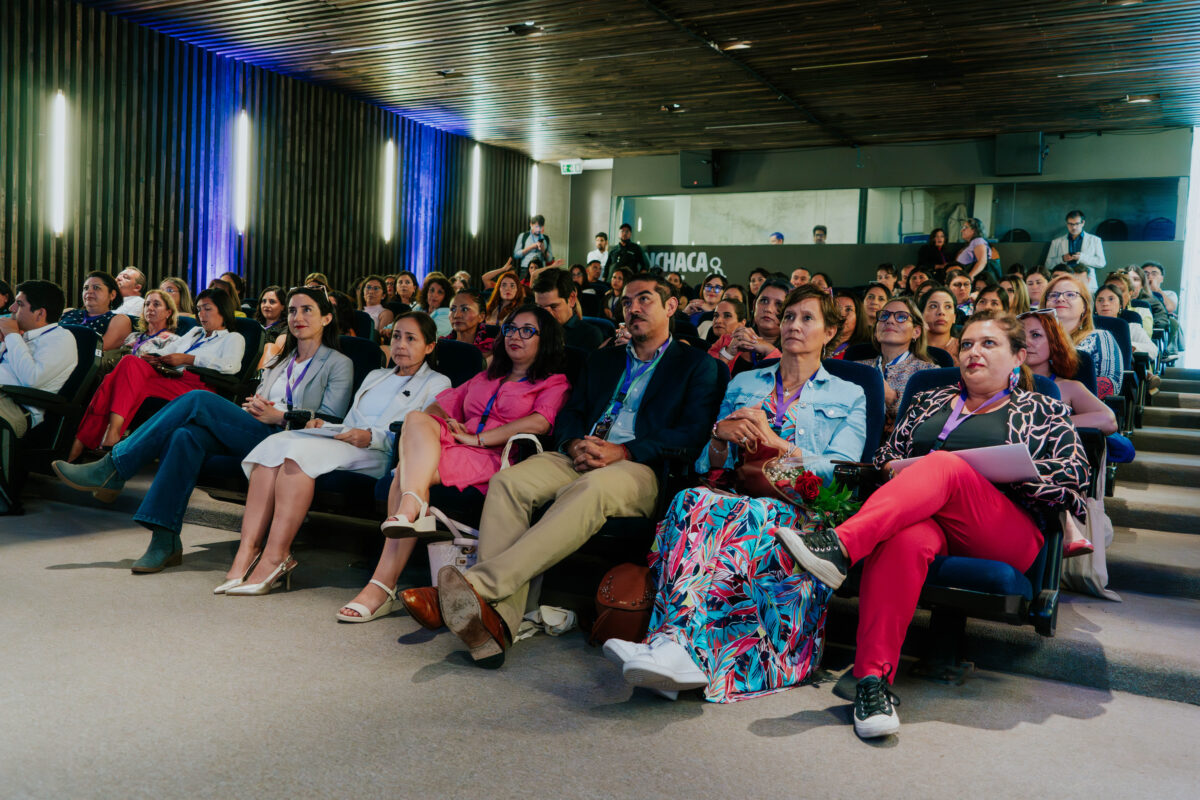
113	685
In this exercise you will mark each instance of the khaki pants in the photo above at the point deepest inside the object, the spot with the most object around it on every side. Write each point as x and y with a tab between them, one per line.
511	553
14	415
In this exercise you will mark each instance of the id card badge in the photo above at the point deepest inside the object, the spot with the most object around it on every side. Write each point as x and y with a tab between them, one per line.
602	427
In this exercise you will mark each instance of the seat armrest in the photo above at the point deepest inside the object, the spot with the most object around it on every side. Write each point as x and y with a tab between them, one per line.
219	381
47	401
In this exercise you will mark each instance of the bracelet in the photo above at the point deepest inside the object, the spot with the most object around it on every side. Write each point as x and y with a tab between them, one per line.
715	436
479	440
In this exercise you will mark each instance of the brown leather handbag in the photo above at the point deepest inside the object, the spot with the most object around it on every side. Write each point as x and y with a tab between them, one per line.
624	601
749	477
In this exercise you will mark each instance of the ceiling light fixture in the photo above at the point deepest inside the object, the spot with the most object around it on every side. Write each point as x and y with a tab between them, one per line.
740	44
1141	98
446	73
861	63
672	108
523	28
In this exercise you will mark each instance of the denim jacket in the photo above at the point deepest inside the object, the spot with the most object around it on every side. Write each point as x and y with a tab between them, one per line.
830	418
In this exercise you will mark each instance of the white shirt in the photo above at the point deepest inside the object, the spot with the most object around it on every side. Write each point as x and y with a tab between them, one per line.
221	351
39	359
596	255
1091	255
131	305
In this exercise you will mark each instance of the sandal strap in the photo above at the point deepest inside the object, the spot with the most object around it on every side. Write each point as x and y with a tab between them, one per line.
391	593
424	505
363	611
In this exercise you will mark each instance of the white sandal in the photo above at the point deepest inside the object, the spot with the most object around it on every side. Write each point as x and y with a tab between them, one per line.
397	527
364	613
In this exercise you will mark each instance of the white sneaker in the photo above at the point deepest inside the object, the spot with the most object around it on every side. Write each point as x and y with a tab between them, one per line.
618	651
874	709
667	667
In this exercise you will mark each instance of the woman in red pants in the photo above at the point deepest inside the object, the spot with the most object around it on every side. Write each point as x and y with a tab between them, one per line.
940	505
211	345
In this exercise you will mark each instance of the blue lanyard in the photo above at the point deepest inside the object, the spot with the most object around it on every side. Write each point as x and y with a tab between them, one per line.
289	384
487	410
631	376
203	340
883	368
29	341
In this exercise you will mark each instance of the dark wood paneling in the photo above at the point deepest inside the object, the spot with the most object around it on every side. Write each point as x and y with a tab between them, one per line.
151	171
818	72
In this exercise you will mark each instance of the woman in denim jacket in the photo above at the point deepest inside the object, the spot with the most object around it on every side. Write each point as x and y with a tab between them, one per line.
729	614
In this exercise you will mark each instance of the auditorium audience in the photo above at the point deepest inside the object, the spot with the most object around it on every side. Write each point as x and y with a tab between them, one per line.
731	613
283	468
508	295
937	253
181	293
886	274
706	303
466	322
901	339
370	298
974	255
630	405
434	300
917	278
156	326
734	292
1152	274
36	353
7	295
745	347
308	375
993	298
210	345
874	299
97	314
1036	282
728	318
1072	302
1109	304
822	281
1141	291
937	306
230	288
612	298
406	287
854	328
940	505
1018	294
131	282
554	291
270	311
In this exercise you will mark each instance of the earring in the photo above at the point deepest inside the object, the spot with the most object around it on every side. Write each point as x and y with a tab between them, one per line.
1013	378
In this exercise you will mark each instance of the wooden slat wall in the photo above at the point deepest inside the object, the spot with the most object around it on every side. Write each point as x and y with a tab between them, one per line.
151	173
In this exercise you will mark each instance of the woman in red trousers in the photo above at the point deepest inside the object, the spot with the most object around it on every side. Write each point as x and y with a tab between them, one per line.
940	505
211	345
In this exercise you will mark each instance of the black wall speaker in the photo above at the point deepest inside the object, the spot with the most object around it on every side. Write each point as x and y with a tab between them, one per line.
1019	153
696	168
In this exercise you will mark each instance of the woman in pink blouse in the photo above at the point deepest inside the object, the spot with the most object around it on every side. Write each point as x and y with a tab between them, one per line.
458	440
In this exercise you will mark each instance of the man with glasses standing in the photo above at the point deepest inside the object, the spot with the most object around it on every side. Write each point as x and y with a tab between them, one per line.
1077	247
629	409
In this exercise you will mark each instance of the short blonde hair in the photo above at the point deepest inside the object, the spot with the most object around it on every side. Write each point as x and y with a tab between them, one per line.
172	310
1085	320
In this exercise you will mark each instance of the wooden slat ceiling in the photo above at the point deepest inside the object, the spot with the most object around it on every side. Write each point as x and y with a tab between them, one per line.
817	72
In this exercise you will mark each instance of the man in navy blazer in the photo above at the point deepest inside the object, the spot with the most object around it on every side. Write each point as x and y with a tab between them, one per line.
630	407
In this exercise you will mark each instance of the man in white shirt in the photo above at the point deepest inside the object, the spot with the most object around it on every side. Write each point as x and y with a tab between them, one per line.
131	281
1077	247
1154	277
601	252
35	353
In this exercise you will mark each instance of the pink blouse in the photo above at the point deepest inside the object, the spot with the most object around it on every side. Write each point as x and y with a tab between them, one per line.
515	400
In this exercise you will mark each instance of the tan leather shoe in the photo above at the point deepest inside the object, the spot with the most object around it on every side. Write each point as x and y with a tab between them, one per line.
422	605
471	619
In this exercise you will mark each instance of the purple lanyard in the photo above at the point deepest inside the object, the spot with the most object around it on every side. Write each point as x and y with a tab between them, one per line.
783	404
145	337
203	340
957	417
840	348
290	384
487	410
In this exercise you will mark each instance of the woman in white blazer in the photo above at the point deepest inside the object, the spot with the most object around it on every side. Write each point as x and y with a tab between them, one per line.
283	468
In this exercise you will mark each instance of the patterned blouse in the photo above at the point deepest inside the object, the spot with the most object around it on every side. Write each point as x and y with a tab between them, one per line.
897	376
98	323
1040	422
141	343
1106	354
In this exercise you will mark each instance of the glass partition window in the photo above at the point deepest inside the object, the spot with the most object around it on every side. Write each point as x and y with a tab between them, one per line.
905	215
742	218
1143	209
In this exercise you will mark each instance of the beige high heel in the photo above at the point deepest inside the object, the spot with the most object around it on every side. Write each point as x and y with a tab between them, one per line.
282	573
232	582
397	527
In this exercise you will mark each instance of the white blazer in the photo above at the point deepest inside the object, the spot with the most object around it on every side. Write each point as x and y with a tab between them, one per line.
418	393
1091	255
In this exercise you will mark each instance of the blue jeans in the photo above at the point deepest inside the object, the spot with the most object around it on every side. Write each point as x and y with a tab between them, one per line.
182	435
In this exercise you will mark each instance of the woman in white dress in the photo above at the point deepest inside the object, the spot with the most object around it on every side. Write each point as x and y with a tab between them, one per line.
283	468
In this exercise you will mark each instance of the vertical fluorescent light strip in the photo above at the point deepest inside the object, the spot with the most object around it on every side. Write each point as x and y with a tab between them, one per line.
533	191
389	189
475	178
58	164
241	176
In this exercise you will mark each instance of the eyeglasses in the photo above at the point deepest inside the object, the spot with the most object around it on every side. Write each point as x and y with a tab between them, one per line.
1050	312
1068	296
525	331
901	317
713	287
315	286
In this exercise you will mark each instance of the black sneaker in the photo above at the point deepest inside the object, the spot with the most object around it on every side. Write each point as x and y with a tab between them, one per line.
874	712
819	553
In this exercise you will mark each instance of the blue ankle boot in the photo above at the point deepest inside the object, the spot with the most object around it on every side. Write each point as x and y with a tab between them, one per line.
100	477
165	550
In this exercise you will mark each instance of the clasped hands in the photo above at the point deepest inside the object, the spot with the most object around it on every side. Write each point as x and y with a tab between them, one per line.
263	410
460	433
749	428
171	360
746	339
592	452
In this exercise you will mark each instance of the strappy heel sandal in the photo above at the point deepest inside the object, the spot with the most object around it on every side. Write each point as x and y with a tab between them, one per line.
397	527
365	614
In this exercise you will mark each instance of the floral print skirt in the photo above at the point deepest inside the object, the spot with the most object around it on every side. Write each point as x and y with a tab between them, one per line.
732	596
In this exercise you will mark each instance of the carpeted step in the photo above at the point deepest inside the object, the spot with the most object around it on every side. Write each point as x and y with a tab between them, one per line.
1172	469
1155	507
1176	385
1154	562
1181	374
1175	400
1161	417
1167	440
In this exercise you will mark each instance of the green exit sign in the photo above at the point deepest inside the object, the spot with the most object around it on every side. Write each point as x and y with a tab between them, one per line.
571	167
